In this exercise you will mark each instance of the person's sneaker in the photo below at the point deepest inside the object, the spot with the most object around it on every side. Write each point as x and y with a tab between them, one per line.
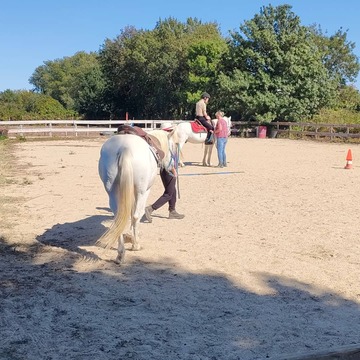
174	215
148	211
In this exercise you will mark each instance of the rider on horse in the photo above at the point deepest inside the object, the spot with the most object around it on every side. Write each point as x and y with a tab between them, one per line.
202	116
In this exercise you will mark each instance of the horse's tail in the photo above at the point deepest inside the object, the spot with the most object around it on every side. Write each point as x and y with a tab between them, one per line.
125	201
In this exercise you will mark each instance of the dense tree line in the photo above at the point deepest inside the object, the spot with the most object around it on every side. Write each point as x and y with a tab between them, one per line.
273	68
27	105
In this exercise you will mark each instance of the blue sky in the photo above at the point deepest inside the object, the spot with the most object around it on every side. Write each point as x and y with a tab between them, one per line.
36	31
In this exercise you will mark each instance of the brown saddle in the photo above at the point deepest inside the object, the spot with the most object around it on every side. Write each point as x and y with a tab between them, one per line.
153	142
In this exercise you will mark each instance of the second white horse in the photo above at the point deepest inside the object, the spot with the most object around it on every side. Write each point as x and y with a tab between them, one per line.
185	133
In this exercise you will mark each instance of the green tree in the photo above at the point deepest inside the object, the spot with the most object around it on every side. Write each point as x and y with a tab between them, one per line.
121	61
76	82
10	107
27	105
337	55
274	70
204	63
147	72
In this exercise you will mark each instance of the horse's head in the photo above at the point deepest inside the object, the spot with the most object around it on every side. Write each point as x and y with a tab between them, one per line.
174	143
173	138
228	122
166	144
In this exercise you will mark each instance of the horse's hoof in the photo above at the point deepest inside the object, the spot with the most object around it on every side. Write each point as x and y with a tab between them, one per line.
120	259
136	247
128	238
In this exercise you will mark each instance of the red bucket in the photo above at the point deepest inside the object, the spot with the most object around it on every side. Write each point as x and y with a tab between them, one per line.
261	132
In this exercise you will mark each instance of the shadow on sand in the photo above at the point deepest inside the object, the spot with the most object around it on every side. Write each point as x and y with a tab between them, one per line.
155	310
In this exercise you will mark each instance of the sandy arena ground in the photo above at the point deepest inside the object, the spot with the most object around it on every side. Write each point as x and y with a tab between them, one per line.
265	264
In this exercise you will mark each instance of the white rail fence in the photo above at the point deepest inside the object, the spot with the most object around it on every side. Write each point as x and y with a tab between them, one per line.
35	128
65	128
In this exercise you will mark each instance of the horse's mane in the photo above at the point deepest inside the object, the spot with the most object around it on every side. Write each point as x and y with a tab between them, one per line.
163	138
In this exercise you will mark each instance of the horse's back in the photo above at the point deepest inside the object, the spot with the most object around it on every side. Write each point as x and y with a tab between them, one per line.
183	128
117	142
185	133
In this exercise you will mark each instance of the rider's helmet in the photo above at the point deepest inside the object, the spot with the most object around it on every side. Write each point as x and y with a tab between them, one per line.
205	95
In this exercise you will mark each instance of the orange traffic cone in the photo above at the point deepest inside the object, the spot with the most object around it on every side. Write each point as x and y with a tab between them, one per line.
348	160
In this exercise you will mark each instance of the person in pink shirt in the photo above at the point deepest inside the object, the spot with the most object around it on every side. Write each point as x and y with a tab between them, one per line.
221	132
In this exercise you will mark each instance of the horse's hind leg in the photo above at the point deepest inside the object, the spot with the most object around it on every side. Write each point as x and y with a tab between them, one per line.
135	244
135	219
121	251
210	149
206	150
132	238
207	155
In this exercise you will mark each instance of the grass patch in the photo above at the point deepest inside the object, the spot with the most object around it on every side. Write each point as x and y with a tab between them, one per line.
7	159
7	178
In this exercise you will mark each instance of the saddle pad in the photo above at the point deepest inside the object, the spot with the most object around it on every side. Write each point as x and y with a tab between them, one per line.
197	127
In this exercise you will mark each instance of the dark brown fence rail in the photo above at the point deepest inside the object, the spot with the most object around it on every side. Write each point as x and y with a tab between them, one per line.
298	130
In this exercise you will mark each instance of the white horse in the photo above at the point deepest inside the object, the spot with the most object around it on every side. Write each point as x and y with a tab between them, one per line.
185	133
128	168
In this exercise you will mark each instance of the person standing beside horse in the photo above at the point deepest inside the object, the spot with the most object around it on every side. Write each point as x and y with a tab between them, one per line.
168	177
202	116
221	133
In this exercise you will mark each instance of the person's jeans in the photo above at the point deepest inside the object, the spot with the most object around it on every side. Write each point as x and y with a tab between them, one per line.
220	146
169	194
